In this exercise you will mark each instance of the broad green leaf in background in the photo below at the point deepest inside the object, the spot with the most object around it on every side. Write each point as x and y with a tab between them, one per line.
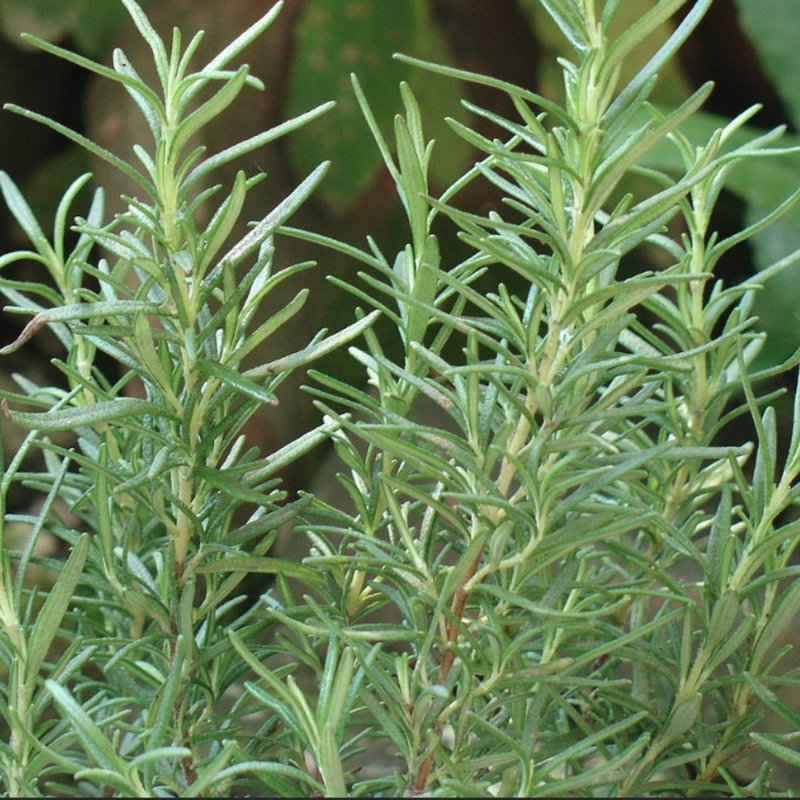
335	38
50	19
773	26
778	305
90	23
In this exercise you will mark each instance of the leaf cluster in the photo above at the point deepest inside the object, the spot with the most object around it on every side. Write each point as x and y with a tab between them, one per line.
530	539
499	594
168	508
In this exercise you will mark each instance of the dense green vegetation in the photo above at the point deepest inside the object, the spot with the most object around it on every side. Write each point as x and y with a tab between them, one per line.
558	557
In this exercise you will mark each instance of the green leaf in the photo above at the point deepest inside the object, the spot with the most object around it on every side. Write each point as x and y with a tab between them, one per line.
665	52
151	360
38	524
630	153
109	778
160	714
48	621
412	158
783	615
150	36
88	415
271	769
784	710
158	754
267	328
149	103
511	89
287	701
720	545
762	184
231	378
723	616
269	224
336	695
289	453
375	130
95	742
570	22
266	523
604	774
244	39
680	720
606	732
330	761
18	206
104	528
89	145
315	350
731	645
209	110
640	30
261	565
242	148
627	295
223	221
225	481
764	470
786	754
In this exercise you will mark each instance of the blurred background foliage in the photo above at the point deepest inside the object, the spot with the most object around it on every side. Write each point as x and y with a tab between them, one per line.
748	47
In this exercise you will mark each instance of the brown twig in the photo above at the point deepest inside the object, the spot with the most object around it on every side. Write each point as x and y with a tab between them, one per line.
420	780
187	762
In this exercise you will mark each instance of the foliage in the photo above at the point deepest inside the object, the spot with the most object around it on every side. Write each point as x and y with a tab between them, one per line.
149	599
544	575
349	35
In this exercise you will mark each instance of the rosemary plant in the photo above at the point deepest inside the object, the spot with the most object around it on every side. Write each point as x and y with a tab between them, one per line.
143	607
501	600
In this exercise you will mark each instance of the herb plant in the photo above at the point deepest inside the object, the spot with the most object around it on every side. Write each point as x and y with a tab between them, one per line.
544	575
